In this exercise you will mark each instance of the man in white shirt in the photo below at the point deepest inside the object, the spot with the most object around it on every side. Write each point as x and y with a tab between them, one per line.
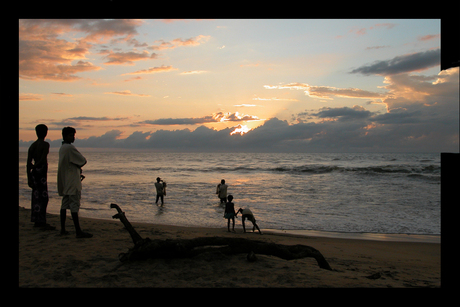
221	191
69	179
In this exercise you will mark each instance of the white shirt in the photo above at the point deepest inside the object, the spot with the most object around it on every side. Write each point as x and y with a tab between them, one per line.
223	190
69	169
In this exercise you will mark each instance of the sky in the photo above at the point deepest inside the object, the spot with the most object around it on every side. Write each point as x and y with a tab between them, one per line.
301	85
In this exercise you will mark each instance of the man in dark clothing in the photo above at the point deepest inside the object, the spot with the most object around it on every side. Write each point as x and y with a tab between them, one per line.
37	173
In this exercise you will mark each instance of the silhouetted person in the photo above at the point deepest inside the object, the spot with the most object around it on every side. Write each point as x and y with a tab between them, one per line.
160	185
37	177
247	214
69	179
230	212
221	191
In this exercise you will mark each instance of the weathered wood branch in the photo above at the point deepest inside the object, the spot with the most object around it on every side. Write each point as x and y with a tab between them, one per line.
121	215
187	248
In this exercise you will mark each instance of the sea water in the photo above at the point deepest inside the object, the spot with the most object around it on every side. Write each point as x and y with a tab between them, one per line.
384	193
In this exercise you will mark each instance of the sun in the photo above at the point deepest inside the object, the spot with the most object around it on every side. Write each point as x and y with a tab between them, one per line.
241	129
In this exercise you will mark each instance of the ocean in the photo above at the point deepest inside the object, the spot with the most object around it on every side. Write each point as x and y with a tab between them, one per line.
381	193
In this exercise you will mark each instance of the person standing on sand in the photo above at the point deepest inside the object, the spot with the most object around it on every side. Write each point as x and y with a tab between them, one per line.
221	191
37	177
69	177
247	214
230	212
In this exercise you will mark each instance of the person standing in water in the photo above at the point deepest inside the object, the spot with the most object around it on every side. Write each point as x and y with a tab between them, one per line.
230	212
160	186
222	191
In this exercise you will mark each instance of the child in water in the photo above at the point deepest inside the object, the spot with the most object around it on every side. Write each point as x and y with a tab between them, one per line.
230	212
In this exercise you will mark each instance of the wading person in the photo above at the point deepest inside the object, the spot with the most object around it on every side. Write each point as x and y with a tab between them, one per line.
230	212
221	191
37	173
160	186
69	179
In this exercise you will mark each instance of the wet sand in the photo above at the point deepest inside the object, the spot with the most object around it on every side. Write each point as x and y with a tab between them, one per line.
47	259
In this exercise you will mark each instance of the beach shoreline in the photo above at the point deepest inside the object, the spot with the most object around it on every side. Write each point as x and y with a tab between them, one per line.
392	237
47	259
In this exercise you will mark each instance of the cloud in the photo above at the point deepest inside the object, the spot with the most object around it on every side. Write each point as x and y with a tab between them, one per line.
62	94
236	117
402	64
423	122
377	47
107	140
398	118
179	42
152	70
428	37
362	31
214	118
127	93
422	116
100	30
193	72
45	56
27	96
344	113
245	105
180	121
118	58
91	118
51	60
326	92
77	121
388	26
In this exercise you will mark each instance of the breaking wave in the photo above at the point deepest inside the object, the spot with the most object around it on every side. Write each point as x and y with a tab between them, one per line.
322	169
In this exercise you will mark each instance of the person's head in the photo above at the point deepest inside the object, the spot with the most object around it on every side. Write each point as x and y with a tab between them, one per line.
68	134
222	181
230	197
158	179
41	130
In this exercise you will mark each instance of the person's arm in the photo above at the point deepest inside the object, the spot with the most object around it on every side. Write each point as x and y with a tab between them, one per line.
77	158
29	167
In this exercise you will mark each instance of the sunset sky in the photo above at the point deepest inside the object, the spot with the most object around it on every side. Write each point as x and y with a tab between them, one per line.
291	85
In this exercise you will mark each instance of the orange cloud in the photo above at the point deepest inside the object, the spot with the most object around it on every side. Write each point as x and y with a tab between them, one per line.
42	55
179	42
428	37
30	97
326	92
152	70
117	58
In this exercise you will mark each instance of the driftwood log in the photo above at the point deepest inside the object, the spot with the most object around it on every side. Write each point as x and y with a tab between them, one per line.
186	248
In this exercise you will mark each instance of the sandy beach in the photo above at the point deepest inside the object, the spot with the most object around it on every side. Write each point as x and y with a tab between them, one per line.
47	259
